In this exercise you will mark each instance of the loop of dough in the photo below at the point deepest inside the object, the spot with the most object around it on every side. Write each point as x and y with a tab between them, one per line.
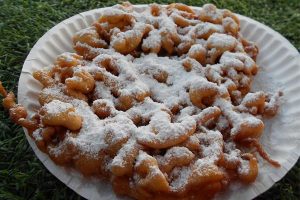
67	118
210	13
126	42
175	157
151	177
123	163
44	77
201	90
81	81
250	172
157	134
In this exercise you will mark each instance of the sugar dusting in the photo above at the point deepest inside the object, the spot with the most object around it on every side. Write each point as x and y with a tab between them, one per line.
56	107
147	74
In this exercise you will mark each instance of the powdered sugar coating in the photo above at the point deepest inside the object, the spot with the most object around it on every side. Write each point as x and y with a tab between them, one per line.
158	83
55	107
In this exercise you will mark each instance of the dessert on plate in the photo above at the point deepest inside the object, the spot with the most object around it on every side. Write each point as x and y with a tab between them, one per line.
157	101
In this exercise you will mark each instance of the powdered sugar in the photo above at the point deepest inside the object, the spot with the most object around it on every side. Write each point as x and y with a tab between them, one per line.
177	152
165	112
244	167
233	156
37	134
119	160
236	119
206	27
180	177
56	107
153	41
218	40
212	144
173	92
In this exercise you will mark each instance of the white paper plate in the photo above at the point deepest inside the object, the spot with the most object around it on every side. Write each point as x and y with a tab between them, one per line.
280	64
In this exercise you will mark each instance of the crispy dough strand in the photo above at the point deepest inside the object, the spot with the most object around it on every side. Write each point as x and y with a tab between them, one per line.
17	112
2	90
262	152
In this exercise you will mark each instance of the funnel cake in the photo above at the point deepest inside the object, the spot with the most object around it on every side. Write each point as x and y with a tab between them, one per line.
157	101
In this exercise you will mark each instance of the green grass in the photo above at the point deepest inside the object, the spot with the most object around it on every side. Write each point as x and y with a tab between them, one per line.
22	23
